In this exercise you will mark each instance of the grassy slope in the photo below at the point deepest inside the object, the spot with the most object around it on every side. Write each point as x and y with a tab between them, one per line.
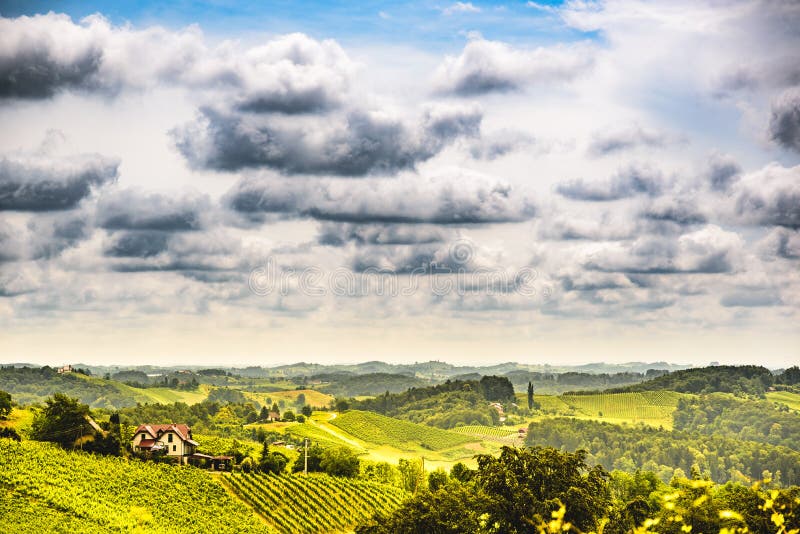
792	400
46	489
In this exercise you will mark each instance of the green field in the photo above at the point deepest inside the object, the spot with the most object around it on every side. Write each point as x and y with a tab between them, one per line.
404	435
792	400
46	489
169	396
313	503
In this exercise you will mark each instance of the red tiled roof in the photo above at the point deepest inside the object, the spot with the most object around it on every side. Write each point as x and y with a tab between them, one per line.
147	443
183	431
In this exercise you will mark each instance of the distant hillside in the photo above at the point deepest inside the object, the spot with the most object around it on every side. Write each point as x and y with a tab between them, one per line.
739	380
351	385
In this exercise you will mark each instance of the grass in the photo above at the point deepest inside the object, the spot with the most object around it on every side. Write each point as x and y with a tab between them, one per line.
169	396
792	400
19	419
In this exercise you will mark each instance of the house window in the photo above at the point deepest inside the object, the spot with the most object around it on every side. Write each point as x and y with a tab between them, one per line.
143	434
169	438
173	447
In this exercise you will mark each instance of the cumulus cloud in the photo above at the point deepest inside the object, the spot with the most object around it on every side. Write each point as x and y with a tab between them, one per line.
354	144
678	210
608	142
784	125
627	182
710	250
43	237
770	197
453	197
339	234
43	54
780	243
41	183
189	253
461	7
131	209
492	66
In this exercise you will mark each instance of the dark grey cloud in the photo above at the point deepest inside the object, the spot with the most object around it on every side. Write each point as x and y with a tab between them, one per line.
784	125
457	197
681	211
354	144
47	184
751	298
609	142
36	73
137	244
628	182
131	209
44	236
771	197
722	172
339	234
492	66
196	252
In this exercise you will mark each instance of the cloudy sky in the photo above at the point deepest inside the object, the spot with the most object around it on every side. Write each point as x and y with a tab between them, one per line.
258	183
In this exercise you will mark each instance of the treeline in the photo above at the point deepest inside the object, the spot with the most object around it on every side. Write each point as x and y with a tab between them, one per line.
720	457
545	490
749	420
350	385
739	380
447	405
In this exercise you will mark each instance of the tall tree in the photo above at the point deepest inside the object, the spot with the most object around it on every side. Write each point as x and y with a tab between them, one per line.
530	395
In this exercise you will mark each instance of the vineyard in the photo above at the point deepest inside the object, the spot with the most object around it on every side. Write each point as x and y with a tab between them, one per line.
652	405
404	435
316	435
504	435
313	503
46	489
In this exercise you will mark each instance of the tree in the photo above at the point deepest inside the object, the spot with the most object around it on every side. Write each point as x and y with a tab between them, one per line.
530	395
412	474
62	420
301	399
5	404
528	484
497	388
288	415
437	479
306	410
314	460
272	461
9	433
339	461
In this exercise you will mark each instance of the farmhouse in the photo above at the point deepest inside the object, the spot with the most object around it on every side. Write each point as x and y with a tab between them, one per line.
172	440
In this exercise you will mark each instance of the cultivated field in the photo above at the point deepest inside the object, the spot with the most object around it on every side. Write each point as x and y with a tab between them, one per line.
313	503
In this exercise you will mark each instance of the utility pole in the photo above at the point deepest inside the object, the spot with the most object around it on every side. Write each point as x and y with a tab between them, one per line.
305	467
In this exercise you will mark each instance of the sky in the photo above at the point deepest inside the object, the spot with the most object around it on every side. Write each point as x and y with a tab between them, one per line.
257	183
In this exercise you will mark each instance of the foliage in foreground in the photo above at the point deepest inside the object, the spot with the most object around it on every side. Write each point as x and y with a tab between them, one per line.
46	489
548	491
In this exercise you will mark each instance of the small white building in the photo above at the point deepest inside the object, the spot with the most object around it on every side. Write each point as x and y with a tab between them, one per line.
172	440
